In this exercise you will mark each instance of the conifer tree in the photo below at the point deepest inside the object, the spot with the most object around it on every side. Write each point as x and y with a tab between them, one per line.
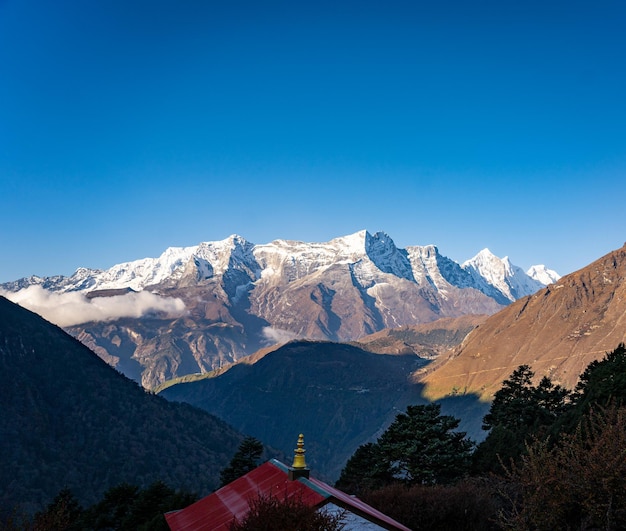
421	446
519	411
245	459
603	381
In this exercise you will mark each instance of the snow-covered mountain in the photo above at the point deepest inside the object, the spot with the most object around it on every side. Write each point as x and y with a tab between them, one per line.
238	296
499	278
496	277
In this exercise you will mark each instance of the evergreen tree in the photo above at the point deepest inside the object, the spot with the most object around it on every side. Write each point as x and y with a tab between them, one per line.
62	514
603	381
115	506
245	459
421	446
519	405
519	411
128	508
365	470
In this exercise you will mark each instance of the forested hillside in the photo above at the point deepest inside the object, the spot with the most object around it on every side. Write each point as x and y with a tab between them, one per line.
70	420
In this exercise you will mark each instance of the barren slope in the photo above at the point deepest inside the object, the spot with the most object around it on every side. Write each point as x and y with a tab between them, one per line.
558	331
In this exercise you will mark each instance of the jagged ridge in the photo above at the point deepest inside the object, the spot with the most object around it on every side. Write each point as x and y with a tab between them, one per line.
238	297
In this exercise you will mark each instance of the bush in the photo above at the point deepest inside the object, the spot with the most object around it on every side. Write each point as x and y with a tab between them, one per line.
578	484
468	505
268	513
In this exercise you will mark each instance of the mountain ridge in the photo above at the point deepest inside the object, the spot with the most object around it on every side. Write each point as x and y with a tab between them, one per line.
557	331
214	257
195	309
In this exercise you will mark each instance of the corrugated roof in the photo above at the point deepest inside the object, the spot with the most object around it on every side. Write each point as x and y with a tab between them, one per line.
217	511
357	506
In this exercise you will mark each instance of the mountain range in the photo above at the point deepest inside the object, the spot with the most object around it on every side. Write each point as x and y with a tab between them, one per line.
196	309
61	402
343	396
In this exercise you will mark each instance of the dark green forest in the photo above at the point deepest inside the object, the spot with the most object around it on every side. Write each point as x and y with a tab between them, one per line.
71	421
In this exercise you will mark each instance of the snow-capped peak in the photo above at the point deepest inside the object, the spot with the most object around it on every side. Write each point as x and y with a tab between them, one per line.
371	257
542	274
499	274
382	251
352	244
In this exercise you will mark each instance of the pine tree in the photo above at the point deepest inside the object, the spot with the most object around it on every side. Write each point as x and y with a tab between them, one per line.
519	411
245	459
421	446
603	381
365	470
62	514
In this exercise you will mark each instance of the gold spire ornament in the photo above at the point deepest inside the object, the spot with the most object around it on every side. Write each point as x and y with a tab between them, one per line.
298	458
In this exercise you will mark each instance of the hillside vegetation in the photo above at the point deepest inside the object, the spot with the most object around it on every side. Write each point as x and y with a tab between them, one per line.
70	420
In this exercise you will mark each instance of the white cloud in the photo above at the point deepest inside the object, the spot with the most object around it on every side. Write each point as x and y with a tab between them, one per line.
276	335
67	309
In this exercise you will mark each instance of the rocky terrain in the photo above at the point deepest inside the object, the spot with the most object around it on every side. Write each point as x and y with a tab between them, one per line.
558	331
196	309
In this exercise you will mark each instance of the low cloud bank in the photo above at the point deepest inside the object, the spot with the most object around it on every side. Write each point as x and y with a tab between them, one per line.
68	309
276	335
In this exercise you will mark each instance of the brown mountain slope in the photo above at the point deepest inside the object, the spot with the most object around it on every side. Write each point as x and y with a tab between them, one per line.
558	331
427	340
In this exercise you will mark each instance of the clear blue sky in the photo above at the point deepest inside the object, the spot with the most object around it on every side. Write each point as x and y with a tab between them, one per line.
130	126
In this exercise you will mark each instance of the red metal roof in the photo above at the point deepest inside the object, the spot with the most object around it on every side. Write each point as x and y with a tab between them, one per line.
357	506
216	511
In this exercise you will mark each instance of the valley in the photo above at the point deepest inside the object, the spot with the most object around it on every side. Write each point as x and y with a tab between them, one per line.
311	349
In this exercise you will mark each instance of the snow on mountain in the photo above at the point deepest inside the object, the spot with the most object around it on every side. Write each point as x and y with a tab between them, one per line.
542	274
218	301
141	273
370	256
382	251
493	273
430	267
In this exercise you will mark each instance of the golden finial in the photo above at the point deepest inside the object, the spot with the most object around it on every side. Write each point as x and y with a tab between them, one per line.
298	458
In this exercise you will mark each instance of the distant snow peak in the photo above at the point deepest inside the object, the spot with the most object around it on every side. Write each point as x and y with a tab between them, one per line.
352	243
542	274
499	274
240	266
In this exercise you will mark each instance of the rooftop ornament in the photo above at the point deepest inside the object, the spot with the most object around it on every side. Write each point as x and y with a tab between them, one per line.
299	468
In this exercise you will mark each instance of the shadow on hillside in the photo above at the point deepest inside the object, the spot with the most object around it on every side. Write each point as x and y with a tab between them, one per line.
470	410
338	395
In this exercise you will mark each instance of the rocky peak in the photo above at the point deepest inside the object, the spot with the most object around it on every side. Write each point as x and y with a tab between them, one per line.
558	331
382	251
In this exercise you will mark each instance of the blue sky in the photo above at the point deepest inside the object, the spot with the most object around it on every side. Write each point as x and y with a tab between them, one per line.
128	127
